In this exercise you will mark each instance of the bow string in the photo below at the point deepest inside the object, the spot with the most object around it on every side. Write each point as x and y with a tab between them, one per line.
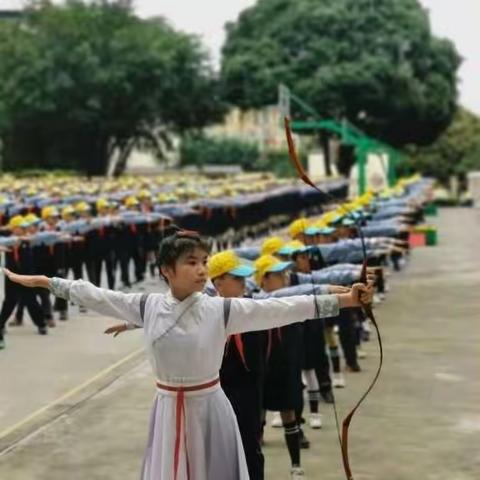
367	308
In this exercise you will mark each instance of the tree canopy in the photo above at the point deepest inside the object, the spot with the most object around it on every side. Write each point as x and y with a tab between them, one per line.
78	82
372	62
456	151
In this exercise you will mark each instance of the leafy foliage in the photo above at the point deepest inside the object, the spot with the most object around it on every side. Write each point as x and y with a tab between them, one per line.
456	152
79	81
200	150
373	62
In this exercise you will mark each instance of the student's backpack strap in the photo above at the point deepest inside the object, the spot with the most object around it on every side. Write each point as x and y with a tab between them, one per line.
143	301
227	302
294	279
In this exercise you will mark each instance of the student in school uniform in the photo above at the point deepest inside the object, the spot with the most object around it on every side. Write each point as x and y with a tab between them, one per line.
243	367
283	382
19	257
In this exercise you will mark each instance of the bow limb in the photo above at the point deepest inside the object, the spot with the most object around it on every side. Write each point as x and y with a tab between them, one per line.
367	308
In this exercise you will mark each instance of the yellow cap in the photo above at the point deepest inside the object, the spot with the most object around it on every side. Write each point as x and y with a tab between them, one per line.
48	212
67	211
102	203
142	194
272	245
131	201
227	262
298	226
329	217
319	224
295	245
17	221
82	207
32	218
266	264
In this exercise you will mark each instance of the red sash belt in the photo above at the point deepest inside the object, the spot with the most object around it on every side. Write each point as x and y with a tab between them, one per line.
180	417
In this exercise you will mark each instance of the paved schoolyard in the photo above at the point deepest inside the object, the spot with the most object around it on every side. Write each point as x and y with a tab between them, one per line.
422	421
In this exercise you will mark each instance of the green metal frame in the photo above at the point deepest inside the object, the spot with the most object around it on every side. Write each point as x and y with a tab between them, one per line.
349	135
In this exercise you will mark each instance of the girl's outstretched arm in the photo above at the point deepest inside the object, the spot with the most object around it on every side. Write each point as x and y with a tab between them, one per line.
106	302
250	315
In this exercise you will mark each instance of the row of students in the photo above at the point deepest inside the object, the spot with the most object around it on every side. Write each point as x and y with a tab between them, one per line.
193	430
72	242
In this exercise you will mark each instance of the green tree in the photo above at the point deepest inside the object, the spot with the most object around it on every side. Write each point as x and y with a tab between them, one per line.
199	150
471	161
372	62
81	82
456	152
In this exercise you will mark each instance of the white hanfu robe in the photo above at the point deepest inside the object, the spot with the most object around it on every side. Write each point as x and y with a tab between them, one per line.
185	342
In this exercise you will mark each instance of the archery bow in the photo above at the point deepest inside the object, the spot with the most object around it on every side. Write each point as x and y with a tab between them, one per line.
367	308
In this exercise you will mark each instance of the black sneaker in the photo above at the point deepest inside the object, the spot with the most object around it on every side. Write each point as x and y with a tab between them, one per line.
304	442
327	396
42	331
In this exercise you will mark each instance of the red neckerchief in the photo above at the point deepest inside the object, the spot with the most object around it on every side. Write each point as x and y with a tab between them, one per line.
238	341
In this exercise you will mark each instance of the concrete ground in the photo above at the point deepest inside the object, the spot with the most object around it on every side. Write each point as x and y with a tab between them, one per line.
422	421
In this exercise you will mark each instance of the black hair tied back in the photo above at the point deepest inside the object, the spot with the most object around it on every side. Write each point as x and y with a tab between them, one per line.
177	242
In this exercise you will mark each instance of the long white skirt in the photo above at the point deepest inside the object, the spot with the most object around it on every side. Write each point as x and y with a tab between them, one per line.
210	434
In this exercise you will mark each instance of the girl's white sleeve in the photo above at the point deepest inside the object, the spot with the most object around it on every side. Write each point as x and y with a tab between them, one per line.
248	314
124	306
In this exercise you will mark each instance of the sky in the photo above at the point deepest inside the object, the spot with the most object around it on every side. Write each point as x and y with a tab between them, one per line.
458	20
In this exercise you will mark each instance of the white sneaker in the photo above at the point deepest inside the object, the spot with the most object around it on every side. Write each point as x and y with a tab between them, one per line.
276	420
376	299
297	473
315	420
361	353
338	380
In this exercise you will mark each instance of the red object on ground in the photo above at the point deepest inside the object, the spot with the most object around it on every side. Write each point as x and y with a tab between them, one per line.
417	239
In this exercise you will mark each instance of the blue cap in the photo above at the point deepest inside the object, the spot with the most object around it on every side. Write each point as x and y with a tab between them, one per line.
312	231
287	250
242	271
347	222
279	267
326	231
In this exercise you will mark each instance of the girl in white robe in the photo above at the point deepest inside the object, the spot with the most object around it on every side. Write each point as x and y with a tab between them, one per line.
193	430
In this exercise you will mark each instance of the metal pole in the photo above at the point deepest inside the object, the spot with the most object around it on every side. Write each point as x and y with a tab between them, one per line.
392	175
362	164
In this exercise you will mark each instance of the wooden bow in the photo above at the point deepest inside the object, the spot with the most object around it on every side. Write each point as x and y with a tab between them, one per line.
367	308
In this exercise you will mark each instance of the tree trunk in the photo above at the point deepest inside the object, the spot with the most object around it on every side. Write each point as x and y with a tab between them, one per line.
125	152
324	142
346	159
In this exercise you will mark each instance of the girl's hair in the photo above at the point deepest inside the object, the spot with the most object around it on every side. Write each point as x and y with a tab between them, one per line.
177	243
